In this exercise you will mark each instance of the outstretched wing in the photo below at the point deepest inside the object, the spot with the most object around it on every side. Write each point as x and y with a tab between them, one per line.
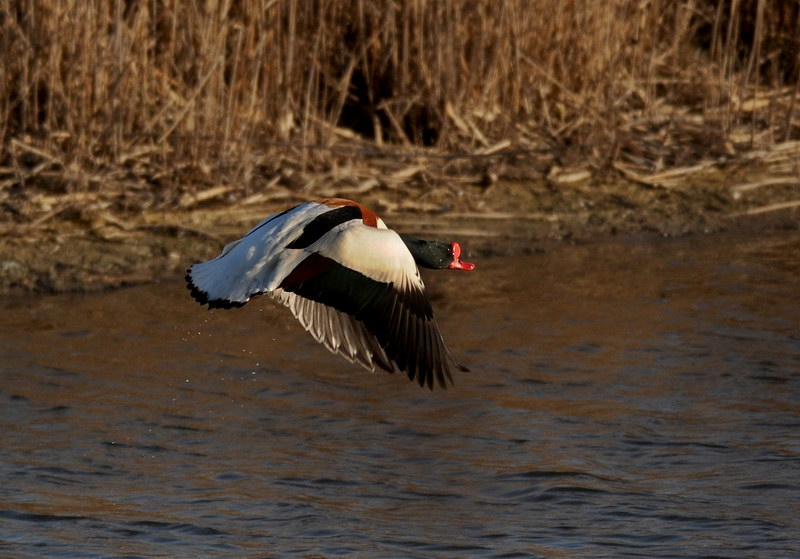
254	264
386	333
379	316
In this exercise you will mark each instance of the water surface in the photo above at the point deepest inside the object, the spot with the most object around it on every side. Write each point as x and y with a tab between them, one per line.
629	399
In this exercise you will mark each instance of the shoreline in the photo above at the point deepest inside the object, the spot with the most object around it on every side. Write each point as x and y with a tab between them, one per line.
100	251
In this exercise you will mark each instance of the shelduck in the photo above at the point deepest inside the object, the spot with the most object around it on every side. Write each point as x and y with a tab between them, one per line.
350	281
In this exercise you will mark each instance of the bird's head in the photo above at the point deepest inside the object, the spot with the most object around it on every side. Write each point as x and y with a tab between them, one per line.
437	255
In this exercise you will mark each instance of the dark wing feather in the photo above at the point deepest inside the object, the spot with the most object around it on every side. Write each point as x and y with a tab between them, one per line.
368	322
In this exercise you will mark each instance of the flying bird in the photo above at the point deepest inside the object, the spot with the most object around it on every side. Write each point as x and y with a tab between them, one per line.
350	281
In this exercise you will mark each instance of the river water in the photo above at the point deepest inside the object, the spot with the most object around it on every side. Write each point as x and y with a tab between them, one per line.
637	398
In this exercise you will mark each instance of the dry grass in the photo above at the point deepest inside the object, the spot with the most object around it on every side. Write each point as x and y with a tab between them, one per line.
150	104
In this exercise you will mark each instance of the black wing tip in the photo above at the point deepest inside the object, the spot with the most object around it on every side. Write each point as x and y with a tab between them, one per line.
430	379
441	379
438	376
444	378
202	296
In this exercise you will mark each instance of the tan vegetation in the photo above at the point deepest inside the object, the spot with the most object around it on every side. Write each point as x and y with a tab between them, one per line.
134	105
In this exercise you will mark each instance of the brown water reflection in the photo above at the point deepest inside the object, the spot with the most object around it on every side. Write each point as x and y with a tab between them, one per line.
626	399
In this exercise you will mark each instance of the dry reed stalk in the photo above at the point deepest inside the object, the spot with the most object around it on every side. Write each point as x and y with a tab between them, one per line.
153	103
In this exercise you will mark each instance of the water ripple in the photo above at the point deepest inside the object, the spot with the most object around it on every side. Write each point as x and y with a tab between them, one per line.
632	400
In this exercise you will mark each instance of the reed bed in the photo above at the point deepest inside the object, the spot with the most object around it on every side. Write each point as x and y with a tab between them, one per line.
129	105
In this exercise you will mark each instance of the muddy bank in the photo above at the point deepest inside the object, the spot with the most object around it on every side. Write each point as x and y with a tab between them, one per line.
72	251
